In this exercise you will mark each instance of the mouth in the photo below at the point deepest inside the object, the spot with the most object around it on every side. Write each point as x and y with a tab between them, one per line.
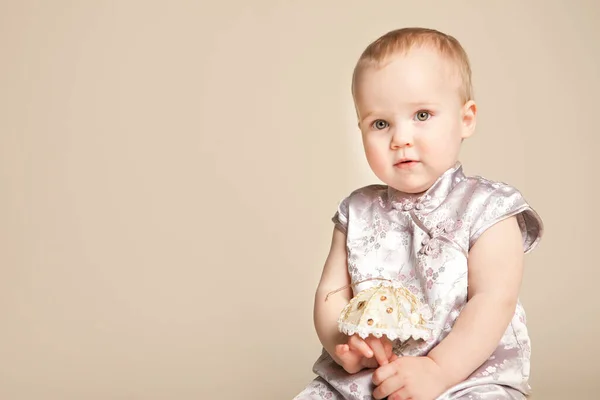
406	163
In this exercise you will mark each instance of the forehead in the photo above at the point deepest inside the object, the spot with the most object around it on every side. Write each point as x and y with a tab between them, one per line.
421	75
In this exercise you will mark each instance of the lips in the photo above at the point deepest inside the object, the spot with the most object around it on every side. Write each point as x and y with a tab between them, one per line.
405	163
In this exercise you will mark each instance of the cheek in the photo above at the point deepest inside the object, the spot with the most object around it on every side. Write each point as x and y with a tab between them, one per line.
430	143
441	139
375	151
438	151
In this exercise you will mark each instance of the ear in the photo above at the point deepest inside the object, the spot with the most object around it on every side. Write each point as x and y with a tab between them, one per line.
469	119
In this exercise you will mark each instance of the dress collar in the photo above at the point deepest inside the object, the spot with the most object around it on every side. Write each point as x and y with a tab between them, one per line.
432	197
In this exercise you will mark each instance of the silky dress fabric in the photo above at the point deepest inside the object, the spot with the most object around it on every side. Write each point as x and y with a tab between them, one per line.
423	241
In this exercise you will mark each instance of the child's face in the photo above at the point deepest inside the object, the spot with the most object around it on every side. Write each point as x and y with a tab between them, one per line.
410	109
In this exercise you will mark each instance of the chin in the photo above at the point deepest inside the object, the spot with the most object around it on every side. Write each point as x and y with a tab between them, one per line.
411	187
415	191
408	189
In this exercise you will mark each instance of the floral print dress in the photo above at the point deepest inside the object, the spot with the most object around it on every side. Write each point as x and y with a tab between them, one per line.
424	241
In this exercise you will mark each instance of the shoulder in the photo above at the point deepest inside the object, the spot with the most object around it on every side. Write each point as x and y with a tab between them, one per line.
487	202
485	194
358	202
369	192
365	195
478	185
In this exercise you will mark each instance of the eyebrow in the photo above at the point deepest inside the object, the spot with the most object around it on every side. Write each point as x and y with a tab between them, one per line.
368	115
423	103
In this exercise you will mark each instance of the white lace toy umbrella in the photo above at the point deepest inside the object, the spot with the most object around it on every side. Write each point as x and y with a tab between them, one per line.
386	309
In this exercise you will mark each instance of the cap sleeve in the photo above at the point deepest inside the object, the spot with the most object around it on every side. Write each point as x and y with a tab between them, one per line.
501	203
340	219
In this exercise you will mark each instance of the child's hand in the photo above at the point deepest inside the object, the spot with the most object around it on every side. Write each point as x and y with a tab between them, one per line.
358	354
416	378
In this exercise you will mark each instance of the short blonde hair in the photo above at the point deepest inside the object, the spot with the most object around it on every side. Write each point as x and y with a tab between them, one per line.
400	41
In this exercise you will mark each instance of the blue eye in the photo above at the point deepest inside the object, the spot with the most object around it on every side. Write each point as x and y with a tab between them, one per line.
423	115
380	124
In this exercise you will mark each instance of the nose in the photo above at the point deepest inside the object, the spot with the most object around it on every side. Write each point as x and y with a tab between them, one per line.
401	138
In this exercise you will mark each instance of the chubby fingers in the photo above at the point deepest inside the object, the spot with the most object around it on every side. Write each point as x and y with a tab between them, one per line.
388	346
401	394
392	384
341	349
378	350
358	344
384	373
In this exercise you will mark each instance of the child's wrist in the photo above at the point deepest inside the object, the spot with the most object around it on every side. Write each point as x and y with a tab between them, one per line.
449	372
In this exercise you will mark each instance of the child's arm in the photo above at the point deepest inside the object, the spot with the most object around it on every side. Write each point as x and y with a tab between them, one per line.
352	353
335	275
495	272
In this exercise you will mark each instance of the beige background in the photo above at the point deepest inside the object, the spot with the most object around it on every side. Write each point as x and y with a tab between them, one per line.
168	171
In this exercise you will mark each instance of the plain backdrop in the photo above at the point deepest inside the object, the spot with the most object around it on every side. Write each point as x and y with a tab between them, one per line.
168	171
